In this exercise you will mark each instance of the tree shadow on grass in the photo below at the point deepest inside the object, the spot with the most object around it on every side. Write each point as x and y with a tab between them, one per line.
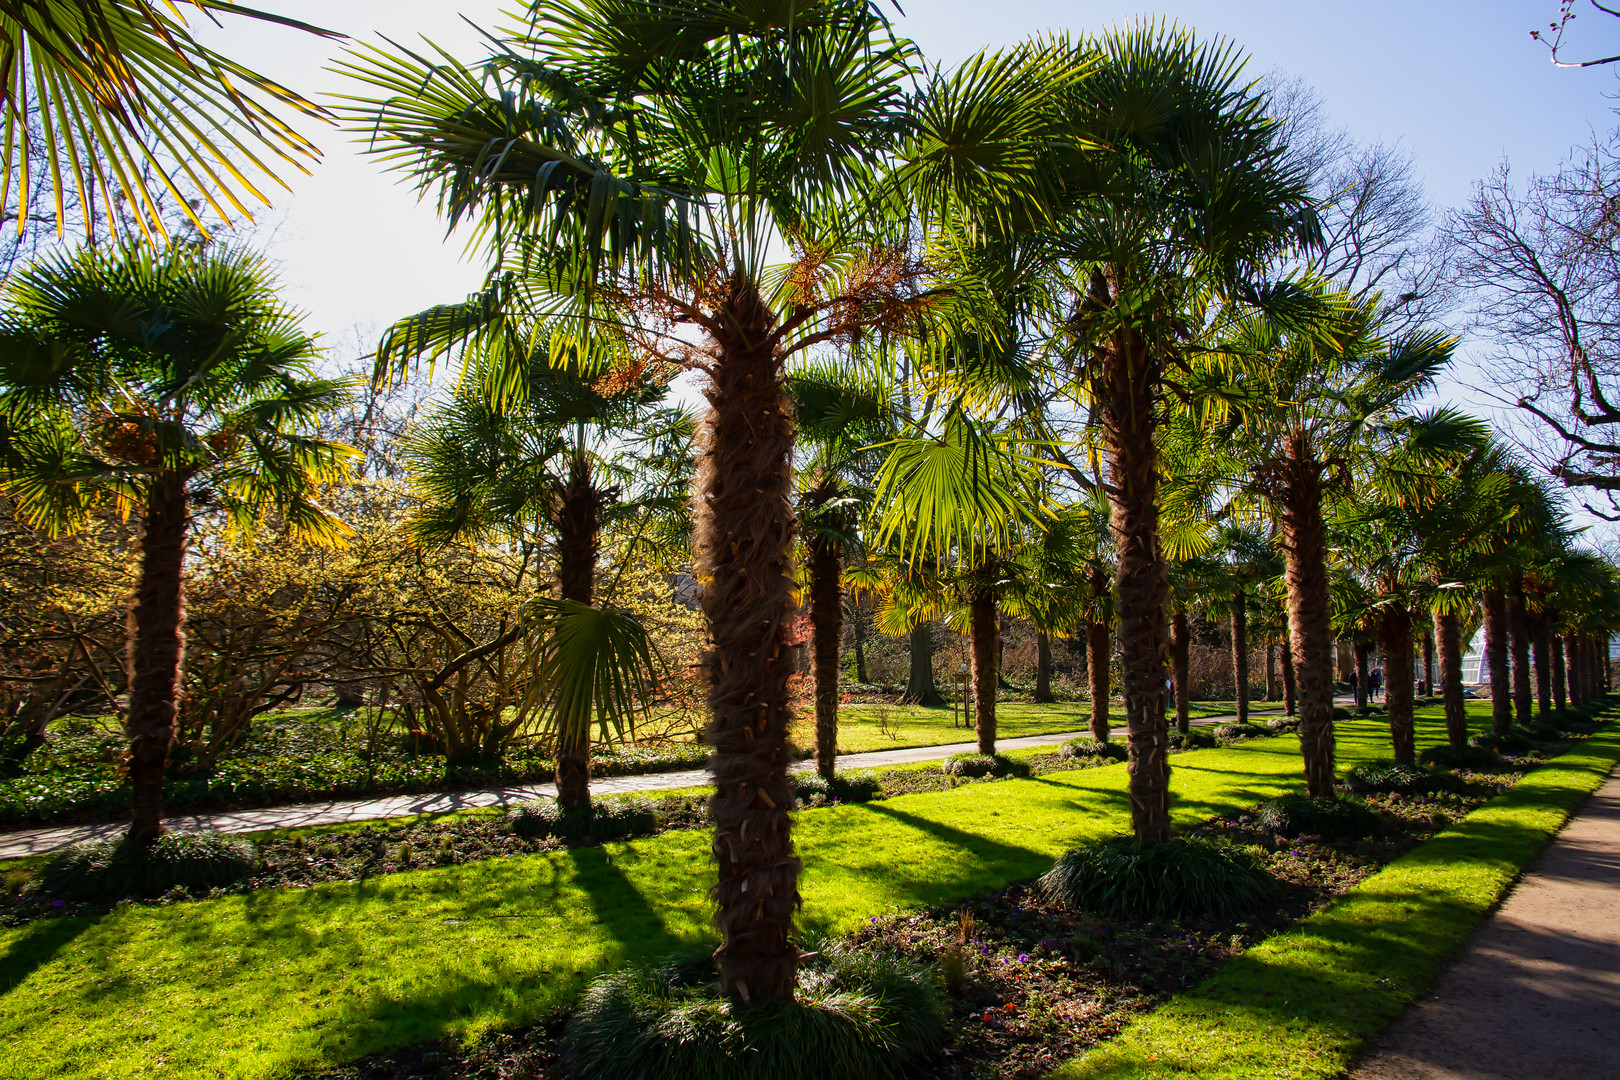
636	925
35	946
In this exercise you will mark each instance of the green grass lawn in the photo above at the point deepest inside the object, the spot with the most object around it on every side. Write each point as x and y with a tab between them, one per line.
262	984
862	728
1302	1004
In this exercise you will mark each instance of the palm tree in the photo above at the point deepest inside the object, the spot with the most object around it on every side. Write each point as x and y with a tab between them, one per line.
1244	558
536	465
1303	409
122	108
1174	214
644	165
844	413
173	384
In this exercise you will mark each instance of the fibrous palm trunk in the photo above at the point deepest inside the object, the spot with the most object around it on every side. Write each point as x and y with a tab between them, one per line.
985	632
1180	645
1428	662
1519	642
1271	671
1541	647
920	686
745	524
1310	630
1043	669
1496	659
1098	642
1559	675
826	632
1240	654
1129	386
1363	673
1448	640
1395	641
578	540
1290	698
1572	656
156	649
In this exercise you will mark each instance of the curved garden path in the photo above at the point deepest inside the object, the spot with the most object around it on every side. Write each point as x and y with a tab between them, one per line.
16	845
1536	991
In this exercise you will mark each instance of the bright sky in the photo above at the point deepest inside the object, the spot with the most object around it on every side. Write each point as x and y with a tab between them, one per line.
1458	82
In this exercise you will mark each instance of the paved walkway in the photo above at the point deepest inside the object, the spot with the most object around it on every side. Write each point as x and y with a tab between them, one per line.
16	845
1536	992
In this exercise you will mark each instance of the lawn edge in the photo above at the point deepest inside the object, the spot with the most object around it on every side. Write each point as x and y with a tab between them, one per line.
1303	1003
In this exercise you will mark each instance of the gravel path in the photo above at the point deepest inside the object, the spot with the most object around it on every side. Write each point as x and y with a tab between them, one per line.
1535	995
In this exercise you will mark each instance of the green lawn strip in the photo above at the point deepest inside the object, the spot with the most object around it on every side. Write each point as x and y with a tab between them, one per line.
277	980
1303	1003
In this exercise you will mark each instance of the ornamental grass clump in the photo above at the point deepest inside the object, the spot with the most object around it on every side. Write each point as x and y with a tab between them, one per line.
813	789
1469	758
114	868
1377	777
1339	817
1193	739
1283	725
975	766
1231	733
1180	878
856	1016
1515	741
1093	751
598	822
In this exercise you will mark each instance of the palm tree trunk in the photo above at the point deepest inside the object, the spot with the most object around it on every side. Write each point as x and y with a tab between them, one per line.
1098	665
1128	392
1559	676
920	686
985	633
1043	669
1572	656
1395	642
1180	643
826	633
1290	696
157	641
1428	662
1363	686
1448	639
1541	647
1271	671
1240	654
578	540
1519	641
745	525
1310	629
1496	658
858	626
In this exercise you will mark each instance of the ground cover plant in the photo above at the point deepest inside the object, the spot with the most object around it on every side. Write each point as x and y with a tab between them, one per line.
456	951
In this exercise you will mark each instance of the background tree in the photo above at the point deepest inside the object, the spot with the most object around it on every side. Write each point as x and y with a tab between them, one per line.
171	383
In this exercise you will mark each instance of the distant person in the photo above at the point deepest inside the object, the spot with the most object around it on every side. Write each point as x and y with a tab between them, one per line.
1375	682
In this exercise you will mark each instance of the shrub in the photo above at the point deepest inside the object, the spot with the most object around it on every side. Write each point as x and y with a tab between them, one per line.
856	1017
1512	741
974	766
1341	713
1338	817
110	869
1283	725
1545	731
1090	750
1193	739
1387	776
1231	733
1182	878
608	819
815	790
1469	758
